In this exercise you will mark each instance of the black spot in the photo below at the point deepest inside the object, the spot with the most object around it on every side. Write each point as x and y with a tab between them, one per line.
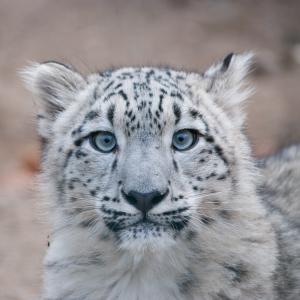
91	115
194	113
226	62
129	113
110	114
79	153
114	164
177	95
93	193
78	142
163	91
161	97
175	165
109	96
108	86
123	95
213	174
76	131
209	139
177	113
148	75
219	151
118	85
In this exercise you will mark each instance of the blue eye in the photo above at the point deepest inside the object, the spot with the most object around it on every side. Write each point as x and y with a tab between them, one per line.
184	139
103	141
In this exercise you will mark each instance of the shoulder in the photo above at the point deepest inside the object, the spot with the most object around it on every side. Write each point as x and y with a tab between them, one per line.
280	182
280	193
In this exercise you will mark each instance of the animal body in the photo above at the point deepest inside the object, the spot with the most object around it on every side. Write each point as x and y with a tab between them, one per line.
152	190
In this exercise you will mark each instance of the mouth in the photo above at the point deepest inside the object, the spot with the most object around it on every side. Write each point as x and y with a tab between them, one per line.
168	221
145	225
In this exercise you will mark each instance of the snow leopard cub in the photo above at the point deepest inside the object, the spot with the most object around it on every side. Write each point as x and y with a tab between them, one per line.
152	190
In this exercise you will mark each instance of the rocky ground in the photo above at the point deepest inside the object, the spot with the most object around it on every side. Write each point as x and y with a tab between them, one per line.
95	34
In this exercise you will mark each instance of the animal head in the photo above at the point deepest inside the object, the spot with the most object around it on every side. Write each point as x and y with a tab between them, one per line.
145	156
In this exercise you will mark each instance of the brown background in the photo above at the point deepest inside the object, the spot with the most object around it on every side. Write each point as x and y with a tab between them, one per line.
97	34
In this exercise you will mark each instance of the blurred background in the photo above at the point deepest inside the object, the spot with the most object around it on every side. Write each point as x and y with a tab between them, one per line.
96	34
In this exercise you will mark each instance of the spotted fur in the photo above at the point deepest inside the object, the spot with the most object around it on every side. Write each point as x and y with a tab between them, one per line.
210	238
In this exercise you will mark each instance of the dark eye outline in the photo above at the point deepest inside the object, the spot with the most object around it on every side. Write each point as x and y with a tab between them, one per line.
93	143
195	135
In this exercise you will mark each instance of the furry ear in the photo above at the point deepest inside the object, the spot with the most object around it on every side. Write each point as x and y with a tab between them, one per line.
56	86
225	81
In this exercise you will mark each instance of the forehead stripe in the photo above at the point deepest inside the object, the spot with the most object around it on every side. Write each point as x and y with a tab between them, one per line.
123	95
177	113
109	96
108	86
110	114
197	115
177	95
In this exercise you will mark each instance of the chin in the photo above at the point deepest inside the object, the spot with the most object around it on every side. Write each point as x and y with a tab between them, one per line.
146	237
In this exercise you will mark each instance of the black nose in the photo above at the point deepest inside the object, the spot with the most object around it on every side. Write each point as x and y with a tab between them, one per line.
144	201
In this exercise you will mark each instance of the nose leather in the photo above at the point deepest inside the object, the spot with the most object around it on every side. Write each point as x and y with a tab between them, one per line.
144	201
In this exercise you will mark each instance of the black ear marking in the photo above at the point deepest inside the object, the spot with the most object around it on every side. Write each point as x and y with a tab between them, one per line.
226	61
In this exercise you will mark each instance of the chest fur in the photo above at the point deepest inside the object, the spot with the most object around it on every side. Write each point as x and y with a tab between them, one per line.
91	273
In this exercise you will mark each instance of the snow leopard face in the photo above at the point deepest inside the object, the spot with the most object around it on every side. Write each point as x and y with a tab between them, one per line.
141	156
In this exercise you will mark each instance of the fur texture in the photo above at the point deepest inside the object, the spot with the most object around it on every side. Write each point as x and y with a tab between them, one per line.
211	237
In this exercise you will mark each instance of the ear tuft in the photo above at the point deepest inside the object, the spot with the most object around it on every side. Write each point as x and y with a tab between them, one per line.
55	85
225	82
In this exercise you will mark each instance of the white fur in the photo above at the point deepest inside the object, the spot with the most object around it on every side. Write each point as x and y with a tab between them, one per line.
234	257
